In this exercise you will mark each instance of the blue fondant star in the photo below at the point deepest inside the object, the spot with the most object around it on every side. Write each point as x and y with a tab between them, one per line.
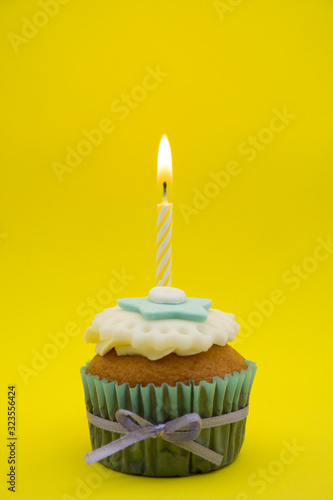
193	309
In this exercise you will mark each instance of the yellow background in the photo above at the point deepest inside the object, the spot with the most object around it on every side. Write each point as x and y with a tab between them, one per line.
224	74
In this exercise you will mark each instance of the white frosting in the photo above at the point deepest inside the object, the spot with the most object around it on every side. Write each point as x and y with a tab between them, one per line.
167	295
130	333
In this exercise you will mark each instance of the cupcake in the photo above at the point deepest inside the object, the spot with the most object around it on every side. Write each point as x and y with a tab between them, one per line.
166	395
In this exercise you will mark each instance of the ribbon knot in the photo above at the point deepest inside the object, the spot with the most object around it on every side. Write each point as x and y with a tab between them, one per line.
159	430
185	428
181	431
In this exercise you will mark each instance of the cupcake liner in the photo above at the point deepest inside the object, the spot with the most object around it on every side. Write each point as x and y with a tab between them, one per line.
157	457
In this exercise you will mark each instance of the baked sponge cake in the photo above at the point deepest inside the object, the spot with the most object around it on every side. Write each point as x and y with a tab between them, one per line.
171	369
165	357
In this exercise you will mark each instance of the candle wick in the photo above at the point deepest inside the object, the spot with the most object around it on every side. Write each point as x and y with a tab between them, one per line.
164	191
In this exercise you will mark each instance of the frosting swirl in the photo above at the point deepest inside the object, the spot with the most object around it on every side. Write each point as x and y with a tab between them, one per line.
128	332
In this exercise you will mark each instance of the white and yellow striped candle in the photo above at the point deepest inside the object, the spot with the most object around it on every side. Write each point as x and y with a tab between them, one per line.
164	216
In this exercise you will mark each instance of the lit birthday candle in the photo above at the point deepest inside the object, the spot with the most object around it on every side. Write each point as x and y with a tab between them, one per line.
164	216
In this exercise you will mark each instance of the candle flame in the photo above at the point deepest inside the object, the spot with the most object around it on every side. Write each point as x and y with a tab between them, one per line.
164	161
